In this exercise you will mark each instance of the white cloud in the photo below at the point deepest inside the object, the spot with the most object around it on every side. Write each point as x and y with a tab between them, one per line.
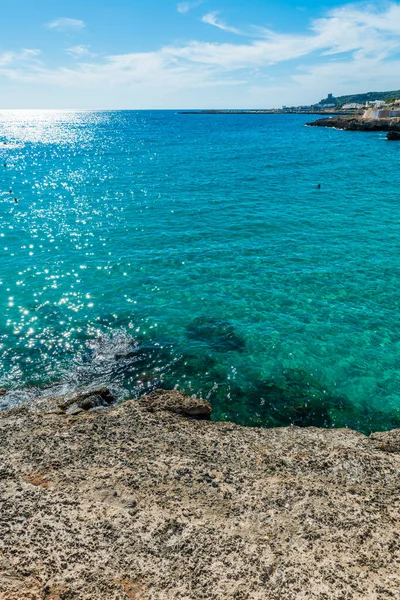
80	51
25	56
353	48
66	24
352	28
185	7
212	19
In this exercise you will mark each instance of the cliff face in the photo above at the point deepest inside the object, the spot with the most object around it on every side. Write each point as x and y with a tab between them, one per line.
141	501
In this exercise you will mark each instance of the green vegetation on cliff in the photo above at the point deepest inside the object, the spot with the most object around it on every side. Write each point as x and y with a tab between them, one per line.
369	96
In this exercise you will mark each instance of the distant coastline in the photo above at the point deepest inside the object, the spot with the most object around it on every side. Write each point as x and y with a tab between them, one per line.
267	111
350	105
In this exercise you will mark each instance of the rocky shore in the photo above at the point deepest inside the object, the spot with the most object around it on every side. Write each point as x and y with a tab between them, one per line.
359	124
149	499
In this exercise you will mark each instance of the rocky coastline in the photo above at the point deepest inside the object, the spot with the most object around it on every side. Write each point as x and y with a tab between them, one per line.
150	500
357	123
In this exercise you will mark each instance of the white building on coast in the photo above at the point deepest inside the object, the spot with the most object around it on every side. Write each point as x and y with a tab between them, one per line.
352	106
382	113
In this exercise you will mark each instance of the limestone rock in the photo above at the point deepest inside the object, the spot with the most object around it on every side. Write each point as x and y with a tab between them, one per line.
177	402
388	441
125	503
100	397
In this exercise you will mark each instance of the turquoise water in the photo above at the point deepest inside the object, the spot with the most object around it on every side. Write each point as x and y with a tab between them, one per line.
155	248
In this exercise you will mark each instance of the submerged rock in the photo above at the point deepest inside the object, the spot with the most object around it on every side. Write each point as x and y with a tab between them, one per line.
193	372
217	333
123	362
366	418
177	402
293	398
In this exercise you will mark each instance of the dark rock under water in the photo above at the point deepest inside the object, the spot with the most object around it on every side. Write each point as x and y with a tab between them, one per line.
133	367
219	334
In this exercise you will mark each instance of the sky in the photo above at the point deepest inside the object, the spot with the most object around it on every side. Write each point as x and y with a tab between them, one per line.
155	54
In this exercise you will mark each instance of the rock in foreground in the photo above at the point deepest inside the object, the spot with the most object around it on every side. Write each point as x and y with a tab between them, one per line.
138	502
177	402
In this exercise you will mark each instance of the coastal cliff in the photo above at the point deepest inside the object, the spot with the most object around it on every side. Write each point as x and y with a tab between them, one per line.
150	499
359	124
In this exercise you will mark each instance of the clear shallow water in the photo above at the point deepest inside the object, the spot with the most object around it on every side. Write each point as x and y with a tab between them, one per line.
153	248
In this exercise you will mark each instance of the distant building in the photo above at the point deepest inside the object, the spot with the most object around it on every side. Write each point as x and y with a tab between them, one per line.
328	102
352	106
324	105
375	103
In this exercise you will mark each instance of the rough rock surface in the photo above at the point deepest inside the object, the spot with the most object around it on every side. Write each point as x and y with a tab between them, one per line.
126	503
99	397
177	402
358	124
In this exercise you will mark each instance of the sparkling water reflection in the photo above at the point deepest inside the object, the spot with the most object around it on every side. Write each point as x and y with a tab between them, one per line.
153	248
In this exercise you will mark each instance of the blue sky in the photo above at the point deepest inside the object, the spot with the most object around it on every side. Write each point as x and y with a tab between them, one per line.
193	54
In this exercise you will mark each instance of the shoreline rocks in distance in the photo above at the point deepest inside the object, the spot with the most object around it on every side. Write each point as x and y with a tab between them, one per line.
391	125
393	135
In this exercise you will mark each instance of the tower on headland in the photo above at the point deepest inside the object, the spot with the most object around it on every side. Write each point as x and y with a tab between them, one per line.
329	102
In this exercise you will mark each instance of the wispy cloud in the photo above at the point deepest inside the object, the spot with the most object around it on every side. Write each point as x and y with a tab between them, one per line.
353	47
357	29
185	7
212	19
27	55
80	51
66	24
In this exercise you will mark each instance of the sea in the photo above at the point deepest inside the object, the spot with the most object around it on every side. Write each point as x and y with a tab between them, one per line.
198	252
